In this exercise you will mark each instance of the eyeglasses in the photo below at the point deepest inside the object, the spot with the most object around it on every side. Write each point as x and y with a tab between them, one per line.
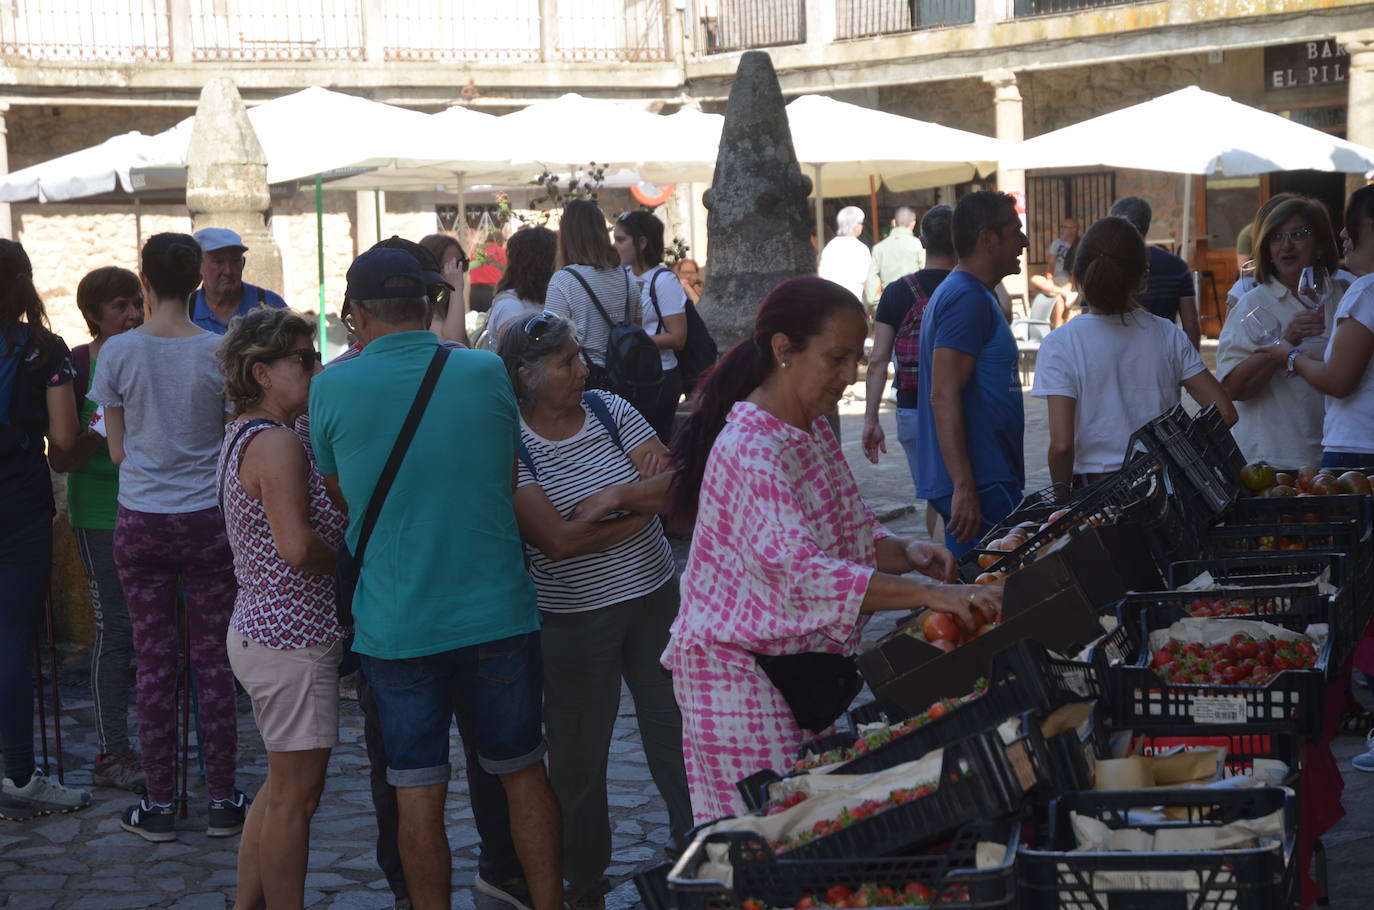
536	326
306	357
1299	237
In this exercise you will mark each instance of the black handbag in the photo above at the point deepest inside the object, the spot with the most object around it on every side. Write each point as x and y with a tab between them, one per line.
817	686
347	565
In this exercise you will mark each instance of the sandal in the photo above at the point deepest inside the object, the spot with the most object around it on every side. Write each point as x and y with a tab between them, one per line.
1356	723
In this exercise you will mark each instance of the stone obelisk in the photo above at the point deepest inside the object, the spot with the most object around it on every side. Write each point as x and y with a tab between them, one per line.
226	179
758	224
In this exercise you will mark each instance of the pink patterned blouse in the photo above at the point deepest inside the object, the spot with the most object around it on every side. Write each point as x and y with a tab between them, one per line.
278	605
781	559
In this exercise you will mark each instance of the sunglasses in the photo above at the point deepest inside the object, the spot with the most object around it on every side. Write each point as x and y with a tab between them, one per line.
536	326
306	357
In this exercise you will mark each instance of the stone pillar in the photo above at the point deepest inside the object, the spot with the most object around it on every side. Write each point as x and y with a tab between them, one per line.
226	179
548	31
1011	127
180	32
759	221
1359	110
6	224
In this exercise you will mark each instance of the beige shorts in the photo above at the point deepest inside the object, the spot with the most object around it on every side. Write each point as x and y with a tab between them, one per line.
295	691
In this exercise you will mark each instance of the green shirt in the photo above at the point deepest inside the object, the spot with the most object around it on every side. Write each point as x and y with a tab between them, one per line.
899	254
93	488
444	568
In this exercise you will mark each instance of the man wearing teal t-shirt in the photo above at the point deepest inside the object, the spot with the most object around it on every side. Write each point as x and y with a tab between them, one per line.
444	610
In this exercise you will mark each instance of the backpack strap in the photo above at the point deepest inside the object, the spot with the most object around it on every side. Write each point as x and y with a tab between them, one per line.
597	405
592	294
653	294
603	414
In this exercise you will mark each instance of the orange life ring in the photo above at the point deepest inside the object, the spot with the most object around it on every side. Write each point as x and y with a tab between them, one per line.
643	198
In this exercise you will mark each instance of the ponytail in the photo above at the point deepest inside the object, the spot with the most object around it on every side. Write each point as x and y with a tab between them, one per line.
733	378
798	308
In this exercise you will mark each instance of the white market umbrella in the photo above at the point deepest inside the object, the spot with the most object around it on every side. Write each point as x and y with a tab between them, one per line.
842	145
1196	132
89	172
310	132
1192	131
573	131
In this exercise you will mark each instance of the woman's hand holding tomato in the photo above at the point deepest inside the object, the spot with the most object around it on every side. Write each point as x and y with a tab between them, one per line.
968	606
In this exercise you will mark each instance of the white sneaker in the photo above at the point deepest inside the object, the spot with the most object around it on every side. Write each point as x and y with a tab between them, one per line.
42	796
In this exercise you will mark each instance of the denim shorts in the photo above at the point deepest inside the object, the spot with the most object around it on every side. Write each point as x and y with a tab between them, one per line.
499	684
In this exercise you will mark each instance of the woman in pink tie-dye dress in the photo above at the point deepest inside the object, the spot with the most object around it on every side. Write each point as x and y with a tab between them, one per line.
785	557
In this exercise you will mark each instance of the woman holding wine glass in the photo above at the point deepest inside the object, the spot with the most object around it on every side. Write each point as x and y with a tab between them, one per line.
1281	420
1345	371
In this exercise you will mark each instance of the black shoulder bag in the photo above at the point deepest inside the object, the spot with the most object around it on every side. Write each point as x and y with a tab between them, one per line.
348	566
817	686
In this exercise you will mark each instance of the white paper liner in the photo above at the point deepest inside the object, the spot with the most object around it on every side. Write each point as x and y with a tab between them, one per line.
1205	582
1206	631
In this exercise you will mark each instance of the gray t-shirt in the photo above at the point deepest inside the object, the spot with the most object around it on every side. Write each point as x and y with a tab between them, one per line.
174	406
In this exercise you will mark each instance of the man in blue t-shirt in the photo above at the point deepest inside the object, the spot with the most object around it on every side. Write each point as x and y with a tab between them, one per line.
223	294
1169	290
971	419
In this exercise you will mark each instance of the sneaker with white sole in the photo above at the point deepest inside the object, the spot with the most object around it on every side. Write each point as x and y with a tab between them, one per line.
226	815
1365	762
153	823
40	796
512	891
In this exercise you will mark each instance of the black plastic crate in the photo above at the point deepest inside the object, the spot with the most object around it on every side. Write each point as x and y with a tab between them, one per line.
1072	757
1141	699
652	885
1256	878
1264	569
1263	603
1024	677
1102	503
1241	748
1210	487
980	778
950	876
1211	431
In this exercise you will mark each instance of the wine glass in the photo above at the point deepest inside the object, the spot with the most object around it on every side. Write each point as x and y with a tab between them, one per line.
1314	287
1262	327
1247	275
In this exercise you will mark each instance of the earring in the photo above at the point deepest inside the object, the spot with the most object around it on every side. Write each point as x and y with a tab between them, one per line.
783	364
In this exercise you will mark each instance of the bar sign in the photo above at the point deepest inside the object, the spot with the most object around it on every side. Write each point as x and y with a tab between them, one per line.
1305	64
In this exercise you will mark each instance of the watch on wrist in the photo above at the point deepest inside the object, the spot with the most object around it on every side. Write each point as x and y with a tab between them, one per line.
1293	356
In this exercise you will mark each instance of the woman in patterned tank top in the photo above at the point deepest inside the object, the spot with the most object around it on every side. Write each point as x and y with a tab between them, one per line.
284	636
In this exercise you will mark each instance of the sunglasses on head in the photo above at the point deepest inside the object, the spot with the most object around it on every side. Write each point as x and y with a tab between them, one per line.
306	357
535	326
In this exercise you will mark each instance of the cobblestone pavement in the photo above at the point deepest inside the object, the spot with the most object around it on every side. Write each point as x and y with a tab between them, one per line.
83	861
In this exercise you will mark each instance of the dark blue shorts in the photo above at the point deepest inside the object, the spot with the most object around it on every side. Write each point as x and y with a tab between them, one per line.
499	684
1346	460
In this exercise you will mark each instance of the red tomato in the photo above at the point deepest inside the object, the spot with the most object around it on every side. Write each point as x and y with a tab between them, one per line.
838	895
938	626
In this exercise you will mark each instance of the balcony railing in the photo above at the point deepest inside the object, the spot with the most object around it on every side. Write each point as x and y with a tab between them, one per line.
864	18
1050	7
271	30
736	25
68	30
464	31
629	30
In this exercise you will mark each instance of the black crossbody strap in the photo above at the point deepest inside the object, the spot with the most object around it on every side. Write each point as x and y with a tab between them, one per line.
398	451
592	294
653	294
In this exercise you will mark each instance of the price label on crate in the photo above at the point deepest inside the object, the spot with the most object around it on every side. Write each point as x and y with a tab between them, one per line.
1219	709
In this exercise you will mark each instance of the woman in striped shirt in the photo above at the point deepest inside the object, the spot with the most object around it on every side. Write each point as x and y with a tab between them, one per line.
591	483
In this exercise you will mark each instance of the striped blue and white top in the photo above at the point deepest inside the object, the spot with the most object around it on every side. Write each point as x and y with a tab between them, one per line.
569	470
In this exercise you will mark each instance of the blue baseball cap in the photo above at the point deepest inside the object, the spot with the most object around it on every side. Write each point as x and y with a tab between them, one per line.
211	239
368	275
